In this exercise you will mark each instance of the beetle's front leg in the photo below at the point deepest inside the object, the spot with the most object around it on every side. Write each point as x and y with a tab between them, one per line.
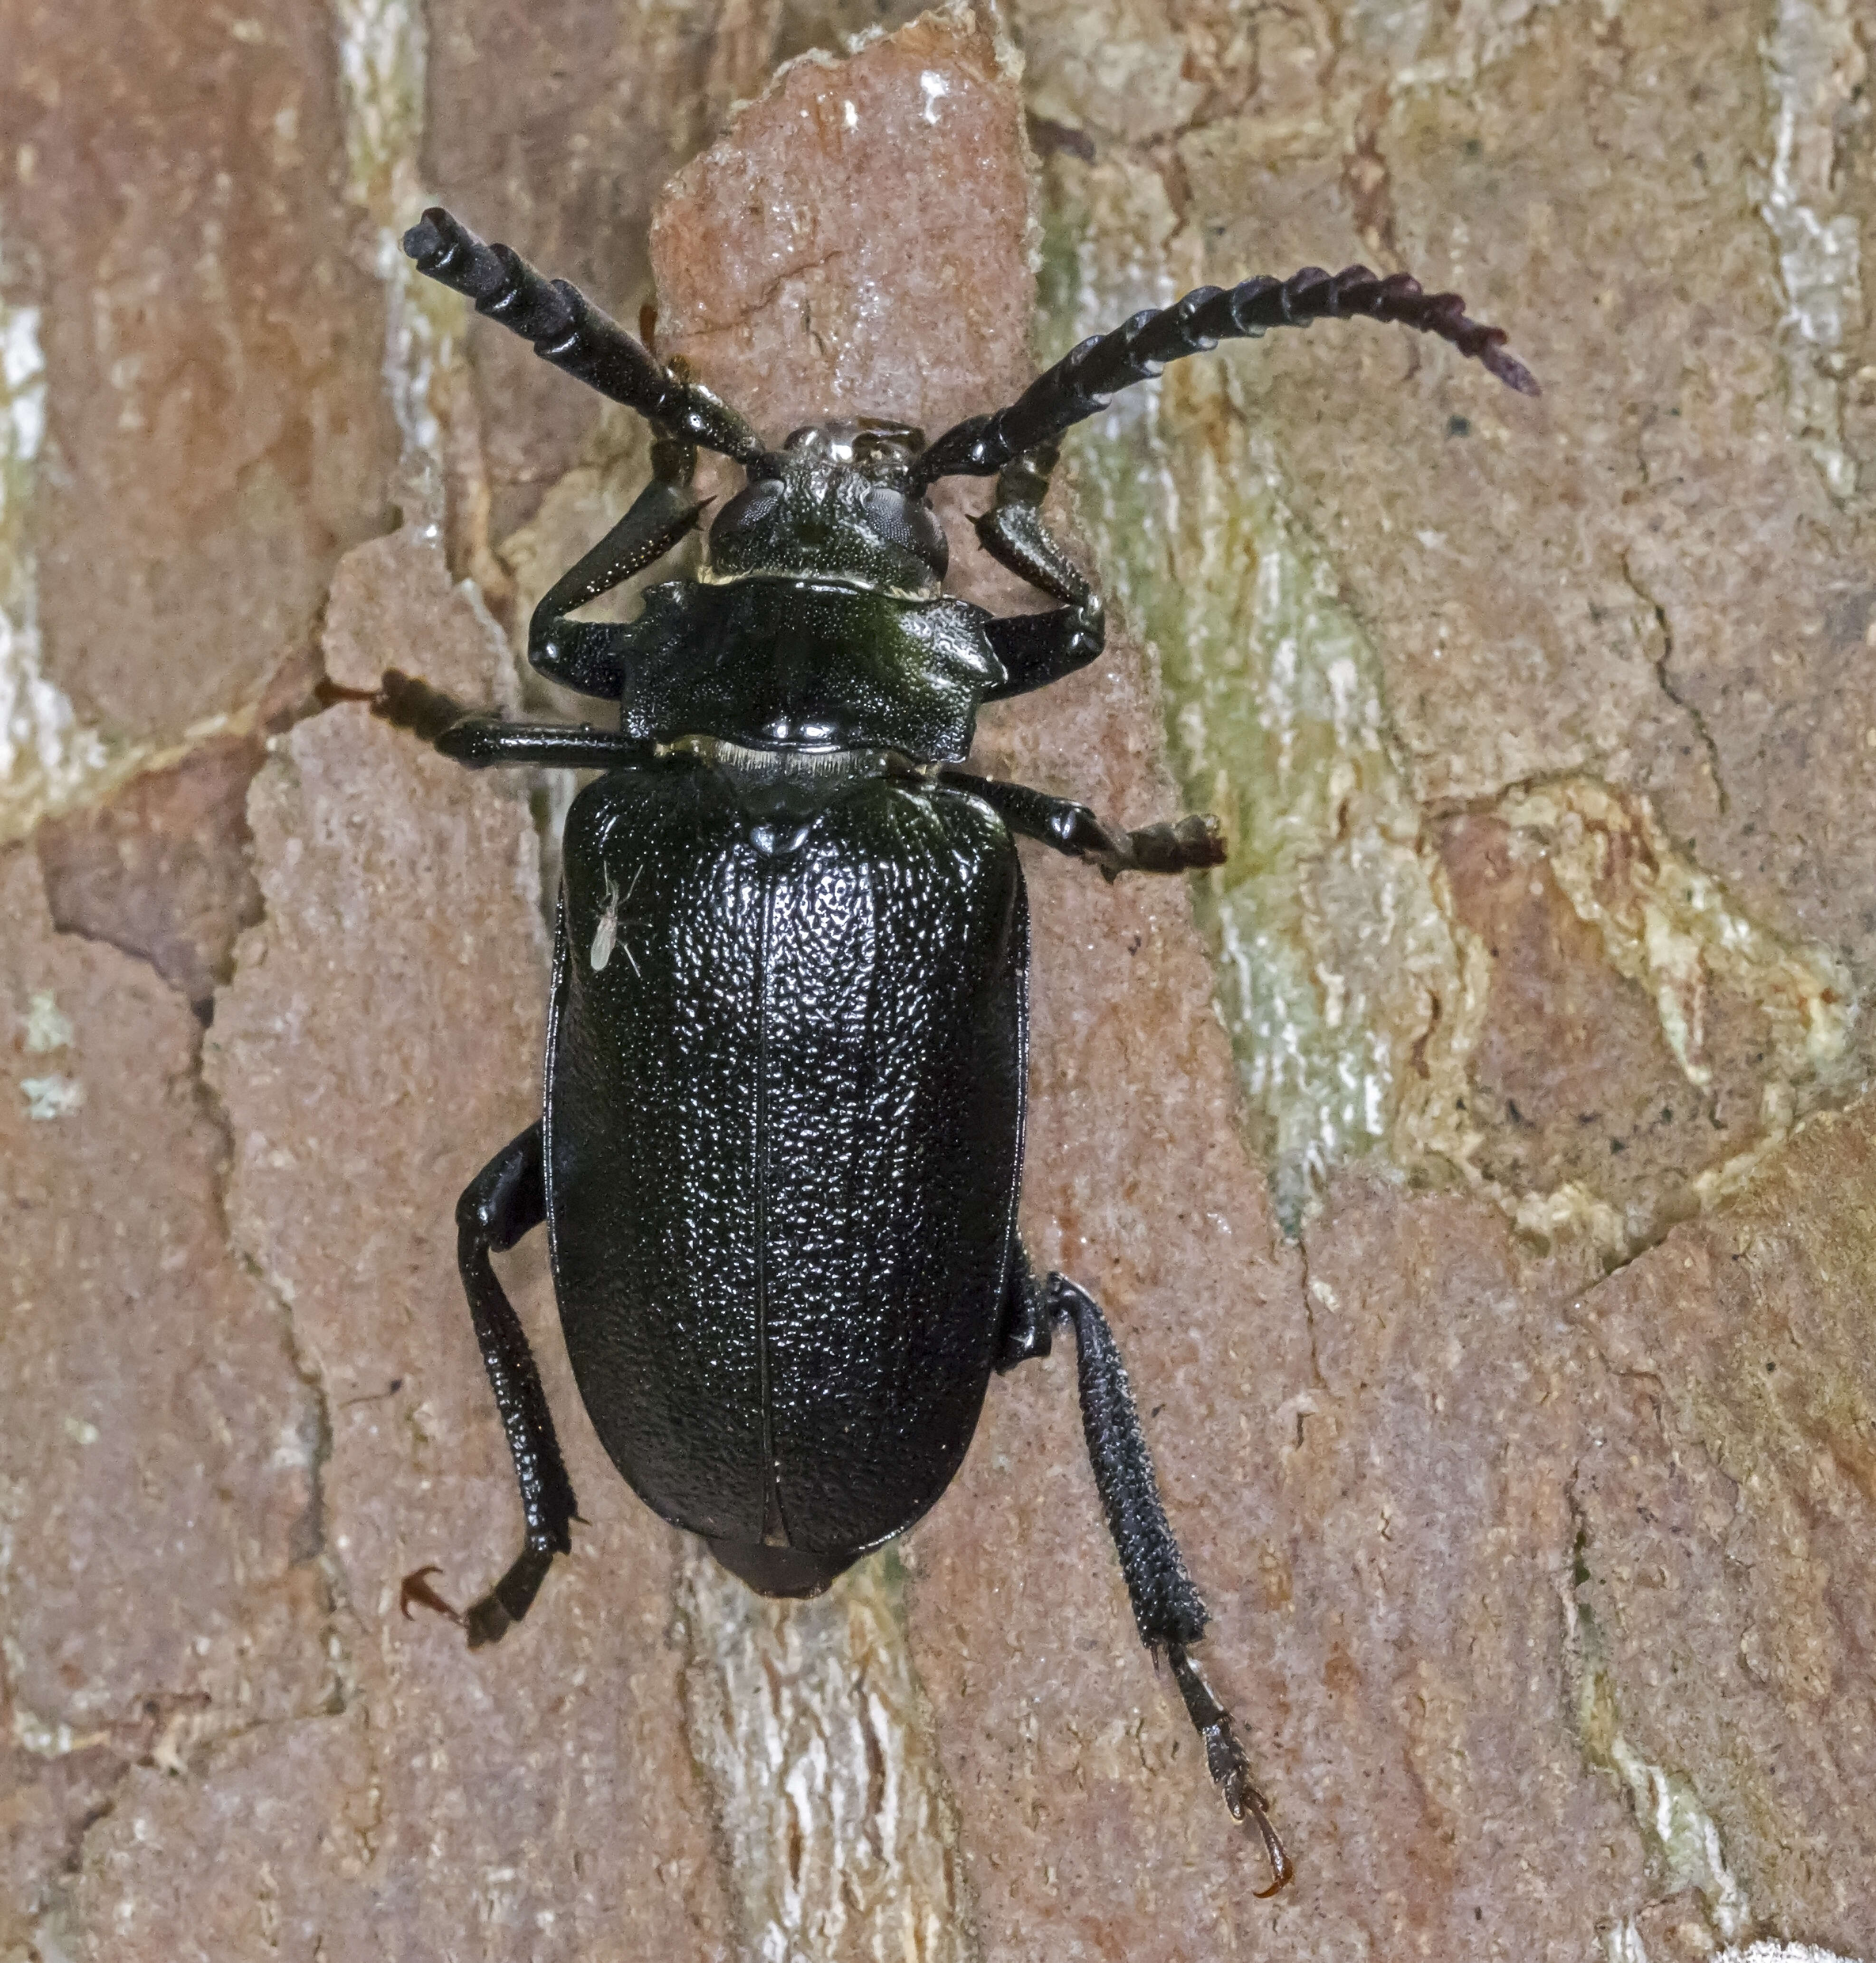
1038	648
1188	844
505	1200
585	655
1166	1608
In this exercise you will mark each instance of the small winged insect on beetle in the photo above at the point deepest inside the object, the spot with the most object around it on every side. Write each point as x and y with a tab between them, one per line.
781	1141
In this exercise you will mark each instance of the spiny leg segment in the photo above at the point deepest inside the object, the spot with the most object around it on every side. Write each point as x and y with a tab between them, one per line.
1166	1608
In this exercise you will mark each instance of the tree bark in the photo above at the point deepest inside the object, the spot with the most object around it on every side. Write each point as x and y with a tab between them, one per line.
1476	1170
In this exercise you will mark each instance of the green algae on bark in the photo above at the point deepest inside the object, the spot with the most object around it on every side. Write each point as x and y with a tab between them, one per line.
1355	988
1342	977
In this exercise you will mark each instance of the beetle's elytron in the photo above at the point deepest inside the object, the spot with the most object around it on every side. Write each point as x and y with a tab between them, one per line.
782	1137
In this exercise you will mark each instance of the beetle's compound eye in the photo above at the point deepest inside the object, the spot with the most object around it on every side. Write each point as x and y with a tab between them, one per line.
749	507
909	523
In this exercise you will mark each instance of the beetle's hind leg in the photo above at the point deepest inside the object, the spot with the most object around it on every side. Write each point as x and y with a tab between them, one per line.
505	1200
1166	1608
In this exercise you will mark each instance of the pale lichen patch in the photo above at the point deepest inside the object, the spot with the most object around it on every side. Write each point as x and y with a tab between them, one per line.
49	760
1781	1952
48	1027
1623	1943
1684	1838
808	1720
383	48
1671	926
50	1738
49	1097
1814	67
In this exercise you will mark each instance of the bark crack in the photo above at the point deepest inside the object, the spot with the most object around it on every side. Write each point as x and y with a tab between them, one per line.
1662	664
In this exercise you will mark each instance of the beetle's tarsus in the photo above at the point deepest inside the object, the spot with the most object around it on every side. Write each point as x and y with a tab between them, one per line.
406	703
1185	845
1226	1762
487	1623
1188	844
415	1587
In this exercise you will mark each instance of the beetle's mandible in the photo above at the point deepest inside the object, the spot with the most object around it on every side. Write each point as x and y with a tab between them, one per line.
781	1141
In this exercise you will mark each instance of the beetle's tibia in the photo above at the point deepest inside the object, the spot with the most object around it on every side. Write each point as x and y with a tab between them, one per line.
1167	1606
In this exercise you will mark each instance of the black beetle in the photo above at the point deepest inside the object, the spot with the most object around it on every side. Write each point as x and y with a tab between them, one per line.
782	1137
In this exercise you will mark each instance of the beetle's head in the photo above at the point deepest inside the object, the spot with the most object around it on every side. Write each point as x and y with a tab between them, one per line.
835	503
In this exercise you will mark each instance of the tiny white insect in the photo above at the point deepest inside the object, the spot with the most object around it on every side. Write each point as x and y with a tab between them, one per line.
606	935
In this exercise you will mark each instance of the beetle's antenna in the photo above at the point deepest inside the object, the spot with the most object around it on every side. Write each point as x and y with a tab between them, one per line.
567	330
1080	384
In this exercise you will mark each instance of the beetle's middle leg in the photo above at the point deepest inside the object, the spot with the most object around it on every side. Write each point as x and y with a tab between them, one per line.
1188	845
477	738
1166	1608
505	1200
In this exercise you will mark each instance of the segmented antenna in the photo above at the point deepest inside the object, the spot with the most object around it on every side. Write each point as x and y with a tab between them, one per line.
567	330
1079	384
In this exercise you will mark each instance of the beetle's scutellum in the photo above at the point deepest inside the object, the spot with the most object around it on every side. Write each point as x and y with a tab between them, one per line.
782	1137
